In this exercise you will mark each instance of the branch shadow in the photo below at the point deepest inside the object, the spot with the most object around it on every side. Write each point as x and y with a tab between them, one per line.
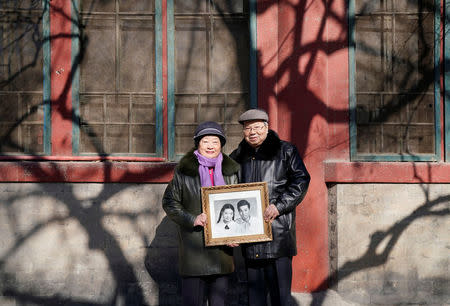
88	213
163	269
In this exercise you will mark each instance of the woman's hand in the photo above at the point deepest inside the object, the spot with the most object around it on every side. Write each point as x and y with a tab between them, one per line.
232	245
200	220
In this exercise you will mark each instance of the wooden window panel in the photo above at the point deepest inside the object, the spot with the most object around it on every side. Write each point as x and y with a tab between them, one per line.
211	108
190	6
142	138
115	136
137	56
21	78
97	73
117	82
230	54
183	137
394	77
191	55
236	104
211	67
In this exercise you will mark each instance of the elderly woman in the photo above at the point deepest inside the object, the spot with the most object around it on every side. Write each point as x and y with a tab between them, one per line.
203	269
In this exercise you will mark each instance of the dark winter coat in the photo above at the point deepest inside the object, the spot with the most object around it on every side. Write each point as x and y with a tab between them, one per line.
182	203
278	163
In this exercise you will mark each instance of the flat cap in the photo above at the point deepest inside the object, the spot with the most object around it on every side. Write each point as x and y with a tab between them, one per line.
253	114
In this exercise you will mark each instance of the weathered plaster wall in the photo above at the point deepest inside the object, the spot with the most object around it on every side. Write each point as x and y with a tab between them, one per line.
390	243
90	244
111	244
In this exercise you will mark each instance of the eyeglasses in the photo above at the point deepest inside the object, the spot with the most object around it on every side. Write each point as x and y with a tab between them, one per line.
254	128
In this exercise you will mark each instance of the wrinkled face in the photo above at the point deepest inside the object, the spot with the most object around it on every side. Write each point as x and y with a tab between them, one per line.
255	132
227	215
209	146
244	211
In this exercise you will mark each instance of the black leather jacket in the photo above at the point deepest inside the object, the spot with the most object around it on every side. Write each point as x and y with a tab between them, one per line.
182	203
278	163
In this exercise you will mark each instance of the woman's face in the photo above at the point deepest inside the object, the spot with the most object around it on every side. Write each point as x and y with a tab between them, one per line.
209	146
227	215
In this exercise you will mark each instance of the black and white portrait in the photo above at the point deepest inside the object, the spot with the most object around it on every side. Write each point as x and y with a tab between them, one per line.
249	222
236	216
226	224
235	213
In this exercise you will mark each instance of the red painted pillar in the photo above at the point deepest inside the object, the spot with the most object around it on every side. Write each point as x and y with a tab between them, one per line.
61	82
302	76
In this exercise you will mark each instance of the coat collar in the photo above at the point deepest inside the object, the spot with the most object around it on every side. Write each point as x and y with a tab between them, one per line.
189	165
266	151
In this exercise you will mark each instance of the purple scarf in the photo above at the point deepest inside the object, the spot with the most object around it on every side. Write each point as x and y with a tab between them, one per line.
204	164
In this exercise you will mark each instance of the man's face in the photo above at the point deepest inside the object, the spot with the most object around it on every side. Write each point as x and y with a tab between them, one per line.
244	211
255	132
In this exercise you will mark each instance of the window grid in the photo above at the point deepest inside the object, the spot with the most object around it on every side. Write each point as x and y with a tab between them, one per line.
21	91
113	99
357	115
223	112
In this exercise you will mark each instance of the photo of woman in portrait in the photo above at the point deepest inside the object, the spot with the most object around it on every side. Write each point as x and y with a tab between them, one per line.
225	224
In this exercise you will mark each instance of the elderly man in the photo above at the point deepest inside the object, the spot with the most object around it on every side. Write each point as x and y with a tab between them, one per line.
264	157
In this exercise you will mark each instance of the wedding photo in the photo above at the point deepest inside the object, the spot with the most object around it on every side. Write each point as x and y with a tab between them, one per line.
237	217
235	213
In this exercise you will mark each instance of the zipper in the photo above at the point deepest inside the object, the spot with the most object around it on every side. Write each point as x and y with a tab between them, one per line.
253	167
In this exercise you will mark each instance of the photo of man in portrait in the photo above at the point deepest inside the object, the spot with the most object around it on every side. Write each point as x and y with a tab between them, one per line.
247	223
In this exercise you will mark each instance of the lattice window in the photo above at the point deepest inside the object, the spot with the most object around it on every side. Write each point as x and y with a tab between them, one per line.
21	78
117	79
118	83
211	67
395	77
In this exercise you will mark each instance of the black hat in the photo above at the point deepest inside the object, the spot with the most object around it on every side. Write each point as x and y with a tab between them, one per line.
253	114
209	128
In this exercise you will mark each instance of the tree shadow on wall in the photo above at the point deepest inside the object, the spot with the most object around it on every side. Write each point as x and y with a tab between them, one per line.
88	213
161	263
301	96
91	217
163	269
382	243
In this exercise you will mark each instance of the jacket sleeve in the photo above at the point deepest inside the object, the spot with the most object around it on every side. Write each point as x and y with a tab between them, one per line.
172	203
297	183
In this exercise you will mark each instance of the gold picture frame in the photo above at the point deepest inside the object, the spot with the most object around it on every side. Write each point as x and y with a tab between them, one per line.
245	203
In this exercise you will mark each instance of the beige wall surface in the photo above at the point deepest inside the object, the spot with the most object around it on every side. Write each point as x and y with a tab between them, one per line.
90	244
390	243
111	244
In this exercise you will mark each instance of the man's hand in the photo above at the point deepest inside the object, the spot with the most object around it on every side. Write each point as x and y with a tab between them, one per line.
271	213
200	220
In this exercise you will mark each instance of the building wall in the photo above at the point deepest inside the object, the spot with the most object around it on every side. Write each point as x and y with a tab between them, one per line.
105	241
91	244
390	243
111	243
86	243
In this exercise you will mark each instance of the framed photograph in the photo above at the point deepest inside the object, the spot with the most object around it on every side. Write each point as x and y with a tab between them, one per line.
235	213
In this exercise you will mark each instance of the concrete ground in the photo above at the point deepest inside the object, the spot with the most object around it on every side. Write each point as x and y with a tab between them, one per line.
323	298
332	298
